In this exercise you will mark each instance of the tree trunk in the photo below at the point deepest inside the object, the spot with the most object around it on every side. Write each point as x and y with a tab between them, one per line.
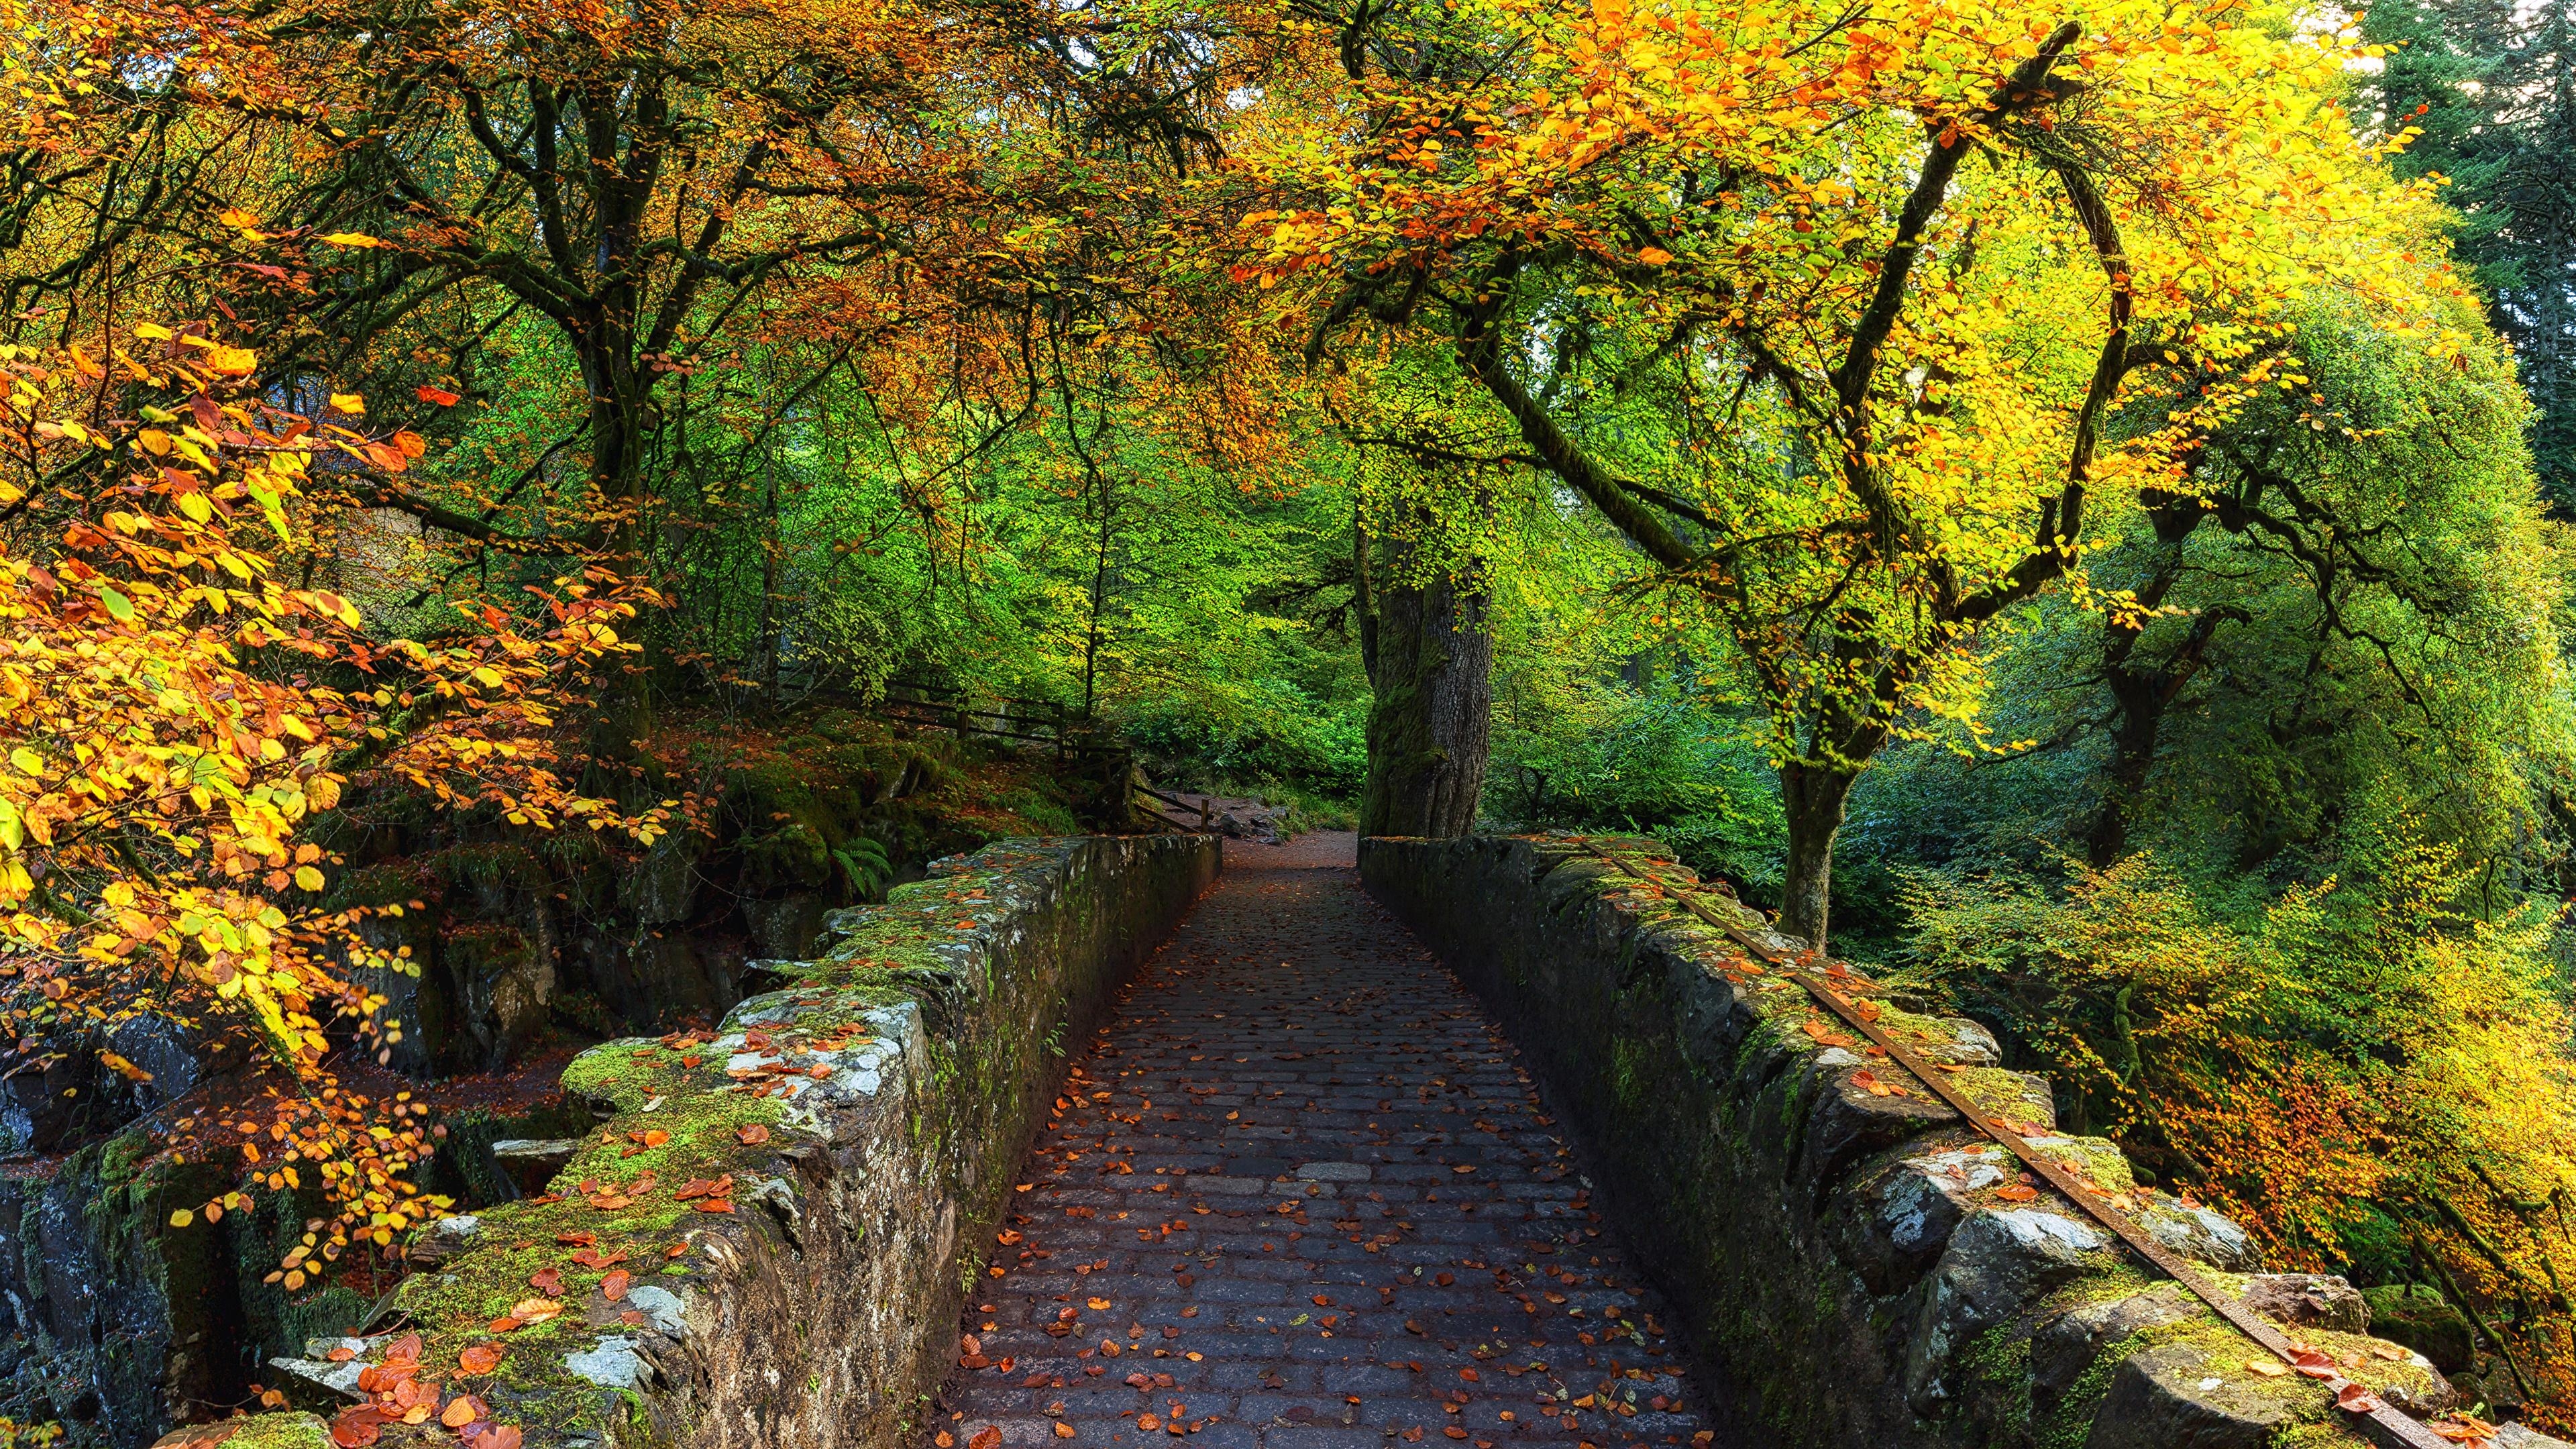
1430	711
2138	699
1814	796
2140	691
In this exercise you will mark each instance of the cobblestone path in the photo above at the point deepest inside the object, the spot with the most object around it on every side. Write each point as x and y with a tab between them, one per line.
1303	1196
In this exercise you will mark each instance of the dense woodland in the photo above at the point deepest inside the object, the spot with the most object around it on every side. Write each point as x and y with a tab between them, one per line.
2068	509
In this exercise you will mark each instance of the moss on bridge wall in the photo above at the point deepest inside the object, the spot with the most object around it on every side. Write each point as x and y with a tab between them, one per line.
866	1111
1839	1254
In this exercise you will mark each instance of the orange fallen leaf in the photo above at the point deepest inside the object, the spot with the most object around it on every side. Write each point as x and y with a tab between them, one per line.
482	1358
2268	1368
2357	1399
753	1135
698	1187
1063	1430
2016	1192
462	1410
613	1287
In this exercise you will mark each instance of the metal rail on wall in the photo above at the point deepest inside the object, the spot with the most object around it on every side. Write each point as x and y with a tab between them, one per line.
1835	991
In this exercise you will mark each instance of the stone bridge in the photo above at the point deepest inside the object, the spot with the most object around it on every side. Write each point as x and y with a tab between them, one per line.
1118	1141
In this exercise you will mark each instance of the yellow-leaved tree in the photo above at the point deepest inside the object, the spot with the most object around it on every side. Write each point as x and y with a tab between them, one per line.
1848	319
175	714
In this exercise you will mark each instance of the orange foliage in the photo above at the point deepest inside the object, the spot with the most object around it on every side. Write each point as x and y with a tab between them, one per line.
178	716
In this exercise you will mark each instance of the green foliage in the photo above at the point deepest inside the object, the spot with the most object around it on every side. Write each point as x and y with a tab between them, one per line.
864	867
2491	89
1605	754
2361	1069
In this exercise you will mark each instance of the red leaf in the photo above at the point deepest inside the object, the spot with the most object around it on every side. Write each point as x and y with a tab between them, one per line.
2357	1399
440	396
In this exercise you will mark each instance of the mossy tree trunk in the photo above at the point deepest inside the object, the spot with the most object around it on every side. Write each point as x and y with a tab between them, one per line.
1431	676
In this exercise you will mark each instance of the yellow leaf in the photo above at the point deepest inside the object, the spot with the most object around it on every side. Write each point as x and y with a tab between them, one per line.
353	239
233	361
350	403
307	878
182	1218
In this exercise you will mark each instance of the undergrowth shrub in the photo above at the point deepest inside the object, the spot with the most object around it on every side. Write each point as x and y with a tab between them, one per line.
2373	1079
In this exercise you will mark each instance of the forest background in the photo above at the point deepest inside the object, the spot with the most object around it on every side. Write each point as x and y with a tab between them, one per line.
2081	511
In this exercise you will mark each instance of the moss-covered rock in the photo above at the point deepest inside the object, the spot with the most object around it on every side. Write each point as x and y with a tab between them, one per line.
118	1322
2419	1318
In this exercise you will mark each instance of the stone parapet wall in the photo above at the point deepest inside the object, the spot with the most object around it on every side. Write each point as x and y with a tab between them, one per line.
766	1239
1856	1266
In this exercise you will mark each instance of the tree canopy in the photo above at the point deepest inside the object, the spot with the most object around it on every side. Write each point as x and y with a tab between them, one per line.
2058	506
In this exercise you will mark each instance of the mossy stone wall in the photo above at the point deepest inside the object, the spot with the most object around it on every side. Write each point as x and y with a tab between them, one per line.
865	1115
1841	1256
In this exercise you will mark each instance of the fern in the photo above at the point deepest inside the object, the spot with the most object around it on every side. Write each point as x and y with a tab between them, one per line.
864	865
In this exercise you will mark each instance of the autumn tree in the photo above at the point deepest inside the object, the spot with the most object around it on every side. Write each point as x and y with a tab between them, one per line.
700	211
1734	281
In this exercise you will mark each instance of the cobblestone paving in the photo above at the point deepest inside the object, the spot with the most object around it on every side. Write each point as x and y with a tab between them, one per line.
1301	1195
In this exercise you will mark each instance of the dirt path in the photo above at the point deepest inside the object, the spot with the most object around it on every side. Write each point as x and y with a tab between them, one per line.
1303	1197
